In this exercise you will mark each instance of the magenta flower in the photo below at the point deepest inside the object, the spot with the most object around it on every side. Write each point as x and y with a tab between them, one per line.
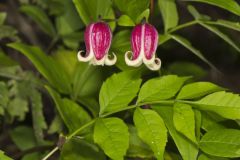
97	37
144	41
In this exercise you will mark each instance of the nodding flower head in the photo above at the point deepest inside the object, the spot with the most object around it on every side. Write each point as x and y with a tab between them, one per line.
144	41
97	37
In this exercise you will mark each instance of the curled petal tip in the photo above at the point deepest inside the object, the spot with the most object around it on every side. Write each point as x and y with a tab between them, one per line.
82	58
156	65
128	59
109	61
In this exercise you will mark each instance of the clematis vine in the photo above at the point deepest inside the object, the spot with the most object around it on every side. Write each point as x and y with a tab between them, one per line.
97	37
144	41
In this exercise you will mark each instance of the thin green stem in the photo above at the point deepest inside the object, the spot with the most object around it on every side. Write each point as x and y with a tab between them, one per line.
164	102
81	128
183	26
50	153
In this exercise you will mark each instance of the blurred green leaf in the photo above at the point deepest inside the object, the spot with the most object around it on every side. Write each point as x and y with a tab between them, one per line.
90	10
187	69
68	109
56	125
40	17
198	89
160	88
111	134
188	45
230	6
225	23
196	14
51	70
7	32
186	148
222	143
124	20
6	61
145	14
23	137
87	80
118	91
163	38
221	35
137	148
18	108
121	44
132	8
151	129
3	16
184	120
4	98
38	119
77	149
3	156
169	13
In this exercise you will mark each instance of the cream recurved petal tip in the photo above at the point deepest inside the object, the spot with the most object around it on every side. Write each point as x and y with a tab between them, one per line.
97	37
144	41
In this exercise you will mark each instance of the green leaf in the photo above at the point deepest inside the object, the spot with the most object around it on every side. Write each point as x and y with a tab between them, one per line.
69	21
124	20
160	88
207	157
231	5
221	35
8	32
188	45
3	156
163	38
89	10
225	23
184	120
118	91
72	114
111	134
197	90
211	121
6	61
80	150
151	130
186	148
38	119
3	17
197	15
137	148
198	123
23	137
39	17
15	110
187	68
222	143
121	44
169	13
4	95
145	14
134	7
51	70
56	125
222	103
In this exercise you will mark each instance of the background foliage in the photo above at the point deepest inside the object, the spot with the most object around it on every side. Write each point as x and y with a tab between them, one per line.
52	102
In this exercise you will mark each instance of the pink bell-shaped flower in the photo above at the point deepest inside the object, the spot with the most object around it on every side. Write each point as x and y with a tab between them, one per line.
144	41
97	37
